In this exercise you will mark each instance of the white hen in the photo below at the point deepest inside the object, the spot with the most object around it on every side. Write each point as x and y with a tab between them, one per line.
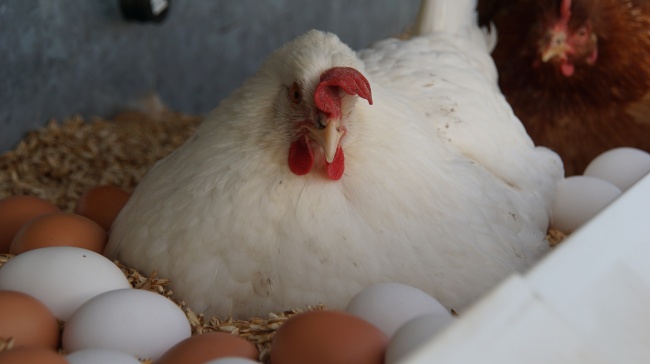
328	171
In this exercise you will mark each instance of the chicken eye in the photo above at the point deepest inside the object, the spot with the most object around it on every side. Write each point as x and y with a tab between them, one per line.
320	123
582	32
295	93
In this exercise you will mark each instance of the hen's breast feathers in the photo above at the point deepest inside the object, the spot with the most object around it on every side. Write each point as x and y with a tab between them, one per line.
439	173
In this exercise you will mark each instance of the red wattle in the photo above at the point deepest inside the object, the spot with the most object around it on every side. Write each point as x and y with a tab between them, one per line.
567	68
337	167
301	157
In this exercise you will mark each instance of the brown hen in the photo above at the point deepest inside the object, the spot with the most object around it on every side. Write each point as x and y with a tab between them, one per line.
576	72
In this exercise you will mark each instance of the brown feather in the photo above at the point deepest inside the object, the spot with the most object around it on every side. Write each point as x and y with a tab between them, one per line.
599	107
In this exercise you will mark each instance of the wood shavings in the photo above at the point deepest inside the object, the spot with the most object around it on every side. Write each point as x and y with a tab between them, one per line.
555	237
6	344
4	258
139	281
61	160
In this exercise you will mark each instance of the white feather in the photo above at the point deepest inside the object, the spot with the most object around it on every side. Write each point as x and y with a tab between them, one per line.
454	17
443	189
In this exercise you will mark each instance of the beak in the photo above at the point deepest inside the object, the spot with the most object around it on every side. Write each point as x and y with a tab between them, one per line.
328	137
557	47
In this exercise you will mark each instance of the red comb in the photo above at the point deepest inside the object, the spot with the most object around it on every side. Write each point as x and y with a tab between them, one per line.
350	80
565	12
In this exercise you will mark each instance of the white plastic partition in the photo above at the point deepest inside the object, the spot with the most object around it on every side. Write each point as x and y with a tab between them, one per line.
586	302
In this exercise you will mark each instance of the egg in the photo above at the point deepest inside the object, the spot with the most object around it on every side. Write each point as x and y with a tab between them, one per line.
59	229
17	211
578	199
138	322
102	204
328	337
29	355
232	360
61	277
100	356
28	321
389	305
621	166
200	348
413	334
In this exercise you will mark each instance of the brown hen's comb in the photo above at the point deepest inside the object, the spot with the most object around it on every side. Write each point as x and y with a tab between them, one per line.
327	97
565	12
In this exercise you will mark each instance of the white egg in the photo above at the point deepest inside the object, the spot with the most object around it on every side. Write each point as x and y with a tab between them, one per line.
138	322
390	305
232	360
414	333
61	277
578	199
100	356
620	166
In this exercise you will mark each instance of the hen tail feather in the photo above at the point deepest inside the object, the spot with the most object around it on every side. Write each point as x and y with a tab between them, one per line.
457	17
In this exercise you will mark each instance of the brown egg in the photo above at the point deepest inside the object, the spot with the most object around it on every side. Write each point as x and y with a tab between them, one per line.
28	321
102	204
27	355
328	337
59	229
15	212
201	348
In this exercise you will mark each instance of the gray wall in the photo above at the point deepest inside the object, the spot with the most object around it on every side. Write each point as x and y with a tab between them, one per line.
61	57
